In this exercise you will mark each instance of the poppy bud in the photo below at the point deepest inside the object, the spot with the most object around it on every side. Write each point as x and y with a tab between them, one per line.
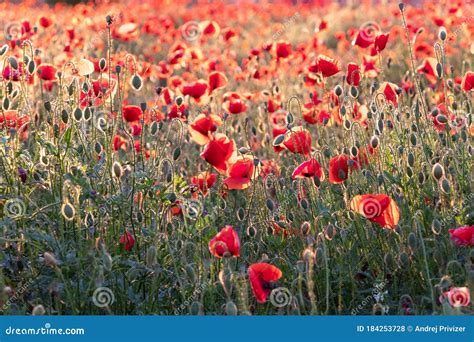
3	50
118	69
13	62
50	259
117	170
47	106
442	33
338	90
270	205
401	6
354	92
179	100
445	186
68	211
38	310
388	260
413	139
411	159
241	214
421	178
176	153
330	232
404	259
412	241
437	171
31	67
109	20
439	70
136	82
102	64
231	309
305	228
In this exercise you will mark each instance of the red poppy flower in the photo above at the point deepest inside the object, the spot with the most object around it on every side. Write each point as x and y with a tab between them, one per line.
428	67
100	92
457	297
240	173
381	41
119	143
205	180
203	126
380	209
339	169
11	119
298	140
283	49
132	113
47	72
365	37
127	241
328	66
195	89
210	28
467	83
353	74
309	168
217	80
462	236
390	92
234	103
261	276
218	152
45	22
225	243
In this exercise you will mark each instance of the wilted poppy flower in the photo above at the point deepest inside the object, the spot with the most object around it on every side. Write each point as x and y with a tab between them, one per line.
462	236
127	241
262	277
381	41
218	151
47	72
204	181
131	113
240	173
457	297
195	89
380	209
309	168
217	80
298	140
225	243
467	83
328	66
203	126
339	169
353	74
